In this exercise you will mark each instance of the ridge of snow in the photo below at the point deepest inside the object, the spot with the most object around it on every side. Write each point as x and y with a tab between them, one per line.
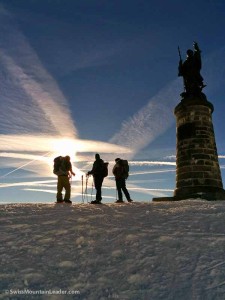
168	250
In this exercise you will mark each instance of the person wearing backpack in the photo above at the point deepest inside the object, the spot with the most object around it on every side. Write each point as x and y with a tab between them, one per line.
121	173
98	172
63	169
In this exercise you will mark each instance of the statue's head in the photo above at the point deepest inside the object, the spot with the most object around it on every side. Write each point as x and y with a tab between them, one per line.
189	53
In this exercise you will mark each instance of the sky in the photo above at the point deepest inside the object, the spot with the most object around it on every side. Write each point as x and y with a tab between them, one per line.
86	77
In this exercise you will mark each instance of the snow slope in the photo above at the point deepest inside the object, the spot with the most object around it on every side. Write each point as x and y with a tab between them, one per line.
169	250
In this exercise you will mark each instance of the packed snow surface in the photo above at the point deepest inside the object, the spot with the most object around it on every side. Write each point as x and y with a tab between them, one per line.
152	251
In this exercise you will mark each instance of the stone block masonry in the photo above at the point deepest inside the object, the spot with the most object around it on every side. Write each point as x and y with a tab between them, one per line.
197	167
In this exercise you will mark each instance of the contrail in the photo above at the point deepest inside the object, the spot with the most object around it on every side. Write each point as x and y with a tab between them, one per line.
150	172
152	190
24	156
22	166
29	183
151	121
59	116
151	163
29	88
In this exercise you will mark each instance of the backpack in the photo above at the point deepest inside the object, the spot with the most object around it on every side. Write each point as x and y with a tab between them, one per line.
61	166
57	164
124	164
105	169
65	165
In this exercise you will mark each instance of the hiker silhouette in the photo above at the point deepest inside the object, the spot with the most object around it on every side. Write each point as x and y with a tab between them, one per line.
63	169
120	171
98	174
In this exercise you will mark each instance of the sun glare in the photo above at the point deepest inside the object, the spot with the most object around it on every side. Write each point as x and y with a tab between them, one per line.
65	146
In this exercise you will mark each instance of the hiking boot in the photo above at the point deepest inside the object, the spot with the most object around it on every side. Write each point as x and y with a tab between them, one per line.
59	201
96	202
119	201
68	201
130	200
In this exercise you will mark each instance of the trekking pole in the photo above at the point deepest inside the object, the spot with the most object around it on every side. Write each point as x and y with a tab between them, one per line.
86	188
82	179
92	186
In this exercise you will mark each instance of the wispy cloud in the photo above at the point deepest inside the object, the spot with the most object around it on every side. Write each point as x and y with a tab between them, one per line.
151	163
151	172
170	157
30	157
152	190
28	91
38	95
28	183
151	121
55	144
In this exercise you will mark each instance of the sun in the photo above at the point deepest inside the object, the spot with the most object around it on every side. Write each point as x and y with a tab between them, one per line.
65	146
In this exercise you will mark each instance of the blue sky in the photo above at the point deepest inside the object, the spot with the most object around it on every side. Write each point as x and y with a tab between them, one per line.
81	77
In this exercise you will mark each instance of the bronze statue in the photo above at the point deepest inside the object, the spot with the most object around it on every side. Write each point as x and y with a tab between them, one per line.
190	70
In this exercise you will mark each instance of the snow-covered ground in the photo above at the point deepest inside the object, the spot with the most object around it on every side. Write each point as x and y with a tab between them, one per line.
167	250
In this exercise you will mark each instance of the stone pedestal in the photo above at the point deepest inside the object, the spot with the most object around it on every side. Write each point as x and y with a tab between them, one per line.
197	168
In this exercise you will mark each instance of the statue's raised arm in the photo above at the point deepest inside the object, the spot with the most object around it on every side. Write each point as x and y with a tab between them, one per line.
197	55
190	71
196	48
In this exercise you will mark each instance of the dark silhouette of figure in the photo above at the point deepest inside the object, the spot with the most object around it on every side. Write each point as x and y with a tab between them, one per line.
97	173
120	177
64	174
190	70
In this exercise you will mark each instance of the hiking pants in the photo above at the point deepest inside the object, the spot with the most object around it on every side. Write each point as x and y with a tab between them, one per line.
63	182
121	186
98	180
